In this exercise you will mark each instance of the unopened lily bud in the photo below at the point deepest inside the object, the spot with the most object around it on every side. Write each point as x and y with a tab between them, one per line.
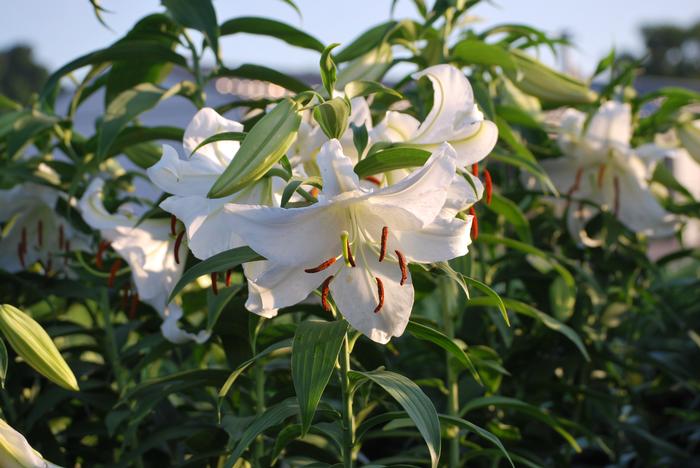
15	451
689	135
539	80
370	66
35	346
512	96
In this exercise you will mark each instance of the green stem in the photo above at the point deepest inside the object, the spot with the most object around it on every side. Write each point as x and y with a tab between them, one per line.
197	69
259	409
448	292
348	417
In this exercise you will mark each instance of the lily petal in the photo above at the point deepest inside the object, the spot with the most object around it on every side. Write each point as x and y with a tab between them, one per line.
184	177
395	127
610	127
206	123
355	292
173	333
336	170
441	240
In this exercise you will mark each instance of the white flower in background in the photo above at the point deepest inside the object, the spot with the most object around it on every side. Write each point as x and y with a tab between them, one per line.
189	181
454	118
600	166
356	243
689	136
150	251
33	231
15	451
310	137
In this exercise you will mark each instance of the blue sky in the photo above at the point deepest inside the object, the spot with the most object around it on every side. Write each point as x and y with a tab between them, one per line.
61	30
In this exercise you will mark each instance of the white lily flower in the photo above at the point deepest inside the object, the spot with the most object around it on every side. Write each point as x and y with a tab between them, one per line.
189	181
310	137
689	136
454	118
15	451
599	165
149	249
33	231
356	243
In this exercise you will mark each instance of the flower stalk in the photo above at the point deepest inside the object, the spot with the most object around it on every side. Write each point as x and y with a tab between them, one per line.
348	416
448	292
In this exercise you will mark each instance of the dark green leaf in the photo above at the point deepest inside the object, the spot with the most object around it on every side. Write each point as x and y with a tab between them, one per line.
365	42
481	432
328	69
199	15
332	116
476	52
490	293
512	213
223	136
394	157
258	72
365	88
272	28
314	353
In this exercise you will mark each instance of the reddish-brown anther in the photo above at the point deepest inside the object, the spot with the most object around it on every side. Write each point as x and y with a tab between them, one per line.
134	304
20	254
61	236
475	224
380	293
577	182
489	186
475	169
113	272
325	290
314	192
374	180
402	265
385	236
24	236
101	247
601	174
616	188
228	277
351	259
214	284
173	225
322	266
178	242
40	233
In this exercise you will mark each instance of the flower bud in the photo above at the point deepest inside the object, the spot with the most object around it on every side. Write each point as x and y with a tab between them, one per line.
539	80
35	346
15	451
689	135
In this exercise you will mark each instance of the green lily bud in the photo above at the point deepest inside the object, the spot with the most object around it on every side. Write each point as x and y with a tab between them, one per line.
512	96
539	80
368	67
689	135
35	346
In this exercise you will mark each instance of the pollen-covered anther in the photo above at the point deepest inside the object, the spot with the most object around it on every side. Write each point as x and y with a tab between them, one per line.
134	304
380	294
616	188
322	266
40	233
325	290
403	266
314	192
173	225
489	186
61	236
178	242
113	272
577	182
475	224
101	247
347	251
475	169
385	236
601	174
214	284
374	180
228	277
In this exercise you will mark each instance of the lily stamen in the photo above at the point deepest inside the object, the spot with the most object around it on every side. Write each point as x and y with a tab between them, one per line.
24	236
40	233
325	290
113	272
385	236
322	266
475	169
20	254
475	224
101	247
374	180
616	188
228	277
347	252
178	242
489	186
134	304
601	174
402	265
380	293
314	192
214	285
577	182
61	236
173	225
